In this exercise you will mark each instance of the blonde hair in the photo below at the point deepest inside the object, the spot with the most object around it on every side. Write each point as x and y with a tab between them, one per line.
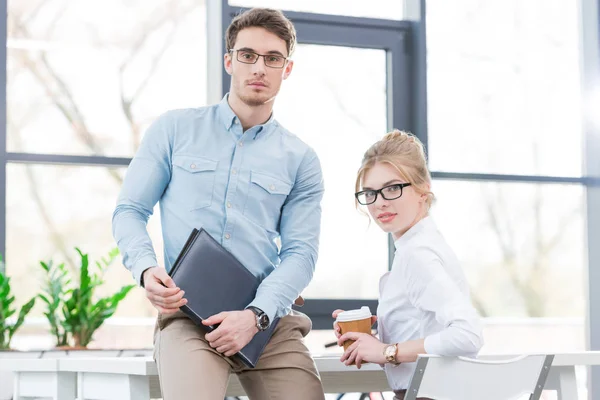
405	152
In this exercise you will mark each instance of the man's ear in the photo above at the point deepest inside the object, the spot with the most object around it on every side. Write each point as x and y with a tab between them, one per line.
227	63
288	69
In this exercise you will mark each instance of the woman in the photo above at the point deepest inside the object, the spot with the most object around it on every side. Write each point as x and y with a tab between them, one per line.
424	305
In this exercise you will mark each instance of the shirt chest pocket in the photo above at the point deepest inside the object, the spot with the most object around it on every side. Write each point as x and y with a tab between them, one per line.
266	196
196	175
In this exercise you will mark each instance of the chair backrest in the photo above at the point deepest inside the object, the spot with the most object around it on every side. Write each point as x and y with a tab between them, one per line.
460	378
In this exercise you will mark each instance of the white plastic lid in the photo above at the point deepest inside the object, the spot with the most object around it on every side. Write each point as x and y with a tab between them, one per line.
354	315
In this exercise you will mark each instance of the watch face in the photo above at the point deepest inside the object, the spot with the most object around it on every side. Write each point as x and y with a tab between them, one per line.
390	351
263	321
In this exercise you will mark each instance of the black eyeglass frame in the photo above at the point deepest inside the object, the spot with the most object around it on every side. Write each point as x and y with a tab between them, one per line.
380	192
264	56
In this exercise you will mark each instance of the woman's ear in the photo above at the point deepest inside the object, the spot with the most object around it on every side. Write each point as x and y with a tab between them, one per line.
425	195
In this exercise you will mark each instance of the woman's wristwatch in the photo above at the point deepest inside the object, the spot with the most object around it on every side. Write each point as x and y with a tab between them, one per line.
389	352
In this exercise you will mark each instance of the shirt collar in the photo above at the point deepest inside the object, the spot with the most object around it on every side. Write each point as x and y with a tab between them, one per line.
228	117
426	224
226	114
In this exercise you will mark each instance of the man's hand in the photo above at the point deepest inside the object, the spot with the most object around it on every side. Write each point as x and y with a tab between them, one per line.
236	330
162	292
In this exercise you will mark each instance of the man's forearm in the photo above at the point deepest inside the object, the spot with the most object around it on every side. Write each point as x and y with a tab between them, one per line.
281	288
146	179
129	231
299	228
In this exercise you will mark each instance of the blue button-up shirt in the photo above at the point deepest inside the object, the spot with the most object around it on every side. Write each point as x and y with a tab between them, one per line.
258	192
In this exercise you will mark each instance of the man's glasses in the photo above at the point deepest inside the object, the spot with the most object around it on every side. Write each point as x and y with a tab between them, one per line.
250	57
390	192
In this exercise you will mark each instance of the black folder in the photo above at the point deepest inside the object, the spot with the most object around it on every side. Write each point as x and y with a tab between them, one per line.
215	281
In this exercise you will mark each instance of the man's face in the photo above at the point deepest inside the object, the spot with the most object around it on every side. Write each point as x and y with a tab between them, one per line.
257	84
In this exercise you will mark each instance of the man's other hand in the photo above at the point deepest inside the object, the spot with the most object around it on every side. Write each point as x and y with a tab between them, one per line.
162	292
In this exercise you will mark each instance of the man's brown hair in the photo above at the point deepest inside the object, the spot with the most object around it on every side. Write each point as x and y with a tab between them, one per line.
272	20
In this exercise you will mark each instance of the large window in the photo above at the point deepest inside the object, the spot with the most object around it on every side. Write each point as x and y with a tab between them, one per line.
504	87
318	103
521	245
84	80
53	209
506	146
80	82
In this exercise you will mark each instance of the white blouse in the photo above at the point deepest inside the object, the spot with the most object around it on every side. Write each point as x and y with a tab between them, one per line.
426	295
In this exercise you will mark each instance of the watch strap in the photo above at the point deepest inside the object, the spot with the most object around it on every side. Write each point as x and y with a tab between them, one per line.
260	315
257	311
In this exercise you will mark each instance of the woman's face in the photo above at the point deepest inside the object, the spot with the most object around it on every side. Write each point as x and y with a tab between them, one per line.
393	216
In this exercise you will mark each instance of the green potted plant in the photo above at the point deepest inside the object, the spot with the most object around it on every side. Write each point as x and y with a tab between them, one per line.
72	309
8	327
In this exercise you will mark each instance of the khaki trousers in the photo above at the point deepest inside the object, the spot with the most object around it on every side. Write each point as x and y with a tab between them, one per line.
189	369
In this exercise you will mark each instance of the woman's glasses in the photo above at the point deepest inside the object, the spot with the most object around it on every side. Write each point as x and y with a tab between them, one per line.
390	192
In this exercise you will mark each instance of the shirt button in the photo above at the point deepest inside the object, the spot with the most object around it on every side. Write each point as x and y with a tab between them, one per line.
233	171
193	166
228	205
227	236
272	187
241	144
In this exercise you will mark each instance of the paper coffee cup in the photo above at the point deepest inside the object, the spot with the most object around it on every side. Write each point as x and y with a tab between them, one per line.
354	321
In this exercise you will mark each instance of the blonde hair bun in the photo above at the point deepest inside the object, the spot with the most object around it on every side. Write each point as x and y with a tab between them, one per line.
406	153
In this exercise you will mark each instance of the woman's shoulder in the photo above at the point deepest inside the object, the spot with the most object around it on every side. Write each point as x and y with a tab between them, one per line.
425	255
426	245
417	256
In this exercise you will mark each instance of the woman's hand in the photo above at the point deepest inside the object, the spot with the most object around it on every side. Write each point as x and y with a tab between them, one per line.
366	348
336	327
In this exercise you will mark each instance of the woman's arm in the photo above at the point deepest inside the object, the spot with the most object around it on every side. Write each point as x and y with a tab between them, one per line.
430	288
409	350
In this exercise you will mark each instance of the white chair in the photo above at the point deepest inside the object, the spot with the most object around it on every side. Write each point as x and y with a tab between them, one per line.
460	378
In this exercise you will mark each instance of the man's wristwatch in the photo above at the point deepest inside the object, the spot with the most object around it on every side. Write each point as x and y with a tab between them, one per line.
390	353
142	278
262	319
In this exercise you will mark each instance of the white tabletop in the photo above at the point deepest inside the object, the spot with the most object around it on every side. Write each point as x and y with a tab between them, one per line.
325	363
29	364
117	365
147	366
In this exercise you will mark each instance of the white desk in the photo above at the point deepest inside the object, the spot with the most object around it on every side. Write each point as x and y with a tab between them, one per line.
138	377
40	378
135	378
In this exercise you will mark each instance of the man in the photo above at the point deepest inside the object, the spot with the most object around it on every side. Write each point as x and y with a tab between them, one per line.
234	171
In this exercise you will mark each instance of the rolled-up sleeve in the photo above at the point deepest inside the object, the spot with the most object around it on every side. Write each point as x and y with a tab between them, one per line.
430	288
300	227
145	181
